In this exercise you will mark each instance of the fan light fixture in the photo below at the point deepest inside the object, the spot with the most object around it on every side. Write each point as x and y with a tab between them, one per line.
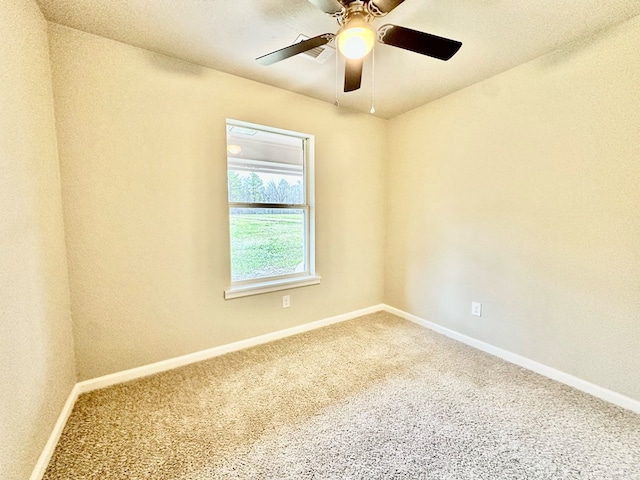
234	149
355	40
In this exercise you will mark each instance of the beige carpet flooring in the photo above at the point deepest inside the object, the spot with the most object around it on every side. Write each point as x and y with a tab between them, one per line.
372	398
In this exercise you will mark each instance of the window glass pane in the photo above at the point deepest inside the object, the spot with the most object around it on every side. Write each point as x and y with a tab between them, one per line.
264	167
262	187
266	242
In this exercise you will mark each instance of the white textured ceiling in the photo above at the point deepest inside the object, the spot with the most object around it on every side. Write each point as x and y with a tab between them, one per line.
228	35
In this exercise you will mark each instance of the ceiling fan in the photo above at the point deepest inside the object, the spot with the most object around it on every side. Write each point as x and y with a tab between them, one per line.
356	36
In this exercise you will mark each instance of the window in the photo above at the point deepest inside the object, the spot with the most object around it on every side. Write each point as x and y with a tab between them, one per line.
271	216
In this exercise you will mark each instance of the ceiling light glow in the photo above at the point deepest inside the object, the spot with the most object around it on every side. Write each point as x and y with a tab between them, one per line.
234	149
355	40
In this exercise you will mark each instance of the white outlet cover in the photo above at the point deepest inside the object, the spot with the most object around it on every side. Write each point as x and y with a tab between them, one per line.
476	309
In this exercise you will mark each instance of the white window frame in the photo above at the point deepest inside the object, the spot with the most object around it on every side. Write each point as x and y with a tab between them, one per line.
282	282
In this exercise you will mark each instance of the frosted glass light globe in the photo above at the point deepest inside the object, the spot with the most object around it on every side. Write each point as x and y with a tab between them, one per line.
355	40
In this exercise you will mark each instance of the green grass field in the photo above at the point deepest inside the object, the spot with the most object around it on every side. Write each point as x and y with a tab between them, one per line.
266	244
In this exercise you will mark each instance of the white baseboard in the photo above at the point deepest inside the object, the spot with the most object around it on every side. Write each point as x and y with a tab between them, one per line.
158	367
560	376
170	364
47	452
151	369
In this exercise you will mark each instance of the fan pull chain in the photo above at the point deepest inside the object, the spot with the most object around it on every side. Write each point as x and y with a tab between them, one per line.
336	55
373	64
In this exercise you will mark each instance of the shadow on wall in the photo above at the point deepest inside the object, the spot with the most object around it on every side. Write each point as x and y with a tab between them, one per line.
173	65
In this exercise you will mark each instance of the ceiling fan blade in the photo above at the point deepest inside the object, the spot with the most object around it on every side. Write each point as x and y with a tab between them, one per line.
380	8
295	49
352	74
331	7
419	42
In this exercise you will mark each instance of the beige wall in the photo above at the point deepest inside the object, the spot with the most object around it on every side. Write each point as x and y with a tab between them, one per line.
37	369
520	192
523	192
143	160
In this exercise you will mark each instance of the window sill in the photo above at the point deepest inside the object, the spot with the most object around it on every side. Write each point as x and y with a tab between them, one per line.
272	286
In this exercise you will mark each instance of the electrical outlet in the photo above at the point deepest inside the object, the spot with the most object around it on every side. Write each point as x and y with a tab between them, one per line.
476	309
286	301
